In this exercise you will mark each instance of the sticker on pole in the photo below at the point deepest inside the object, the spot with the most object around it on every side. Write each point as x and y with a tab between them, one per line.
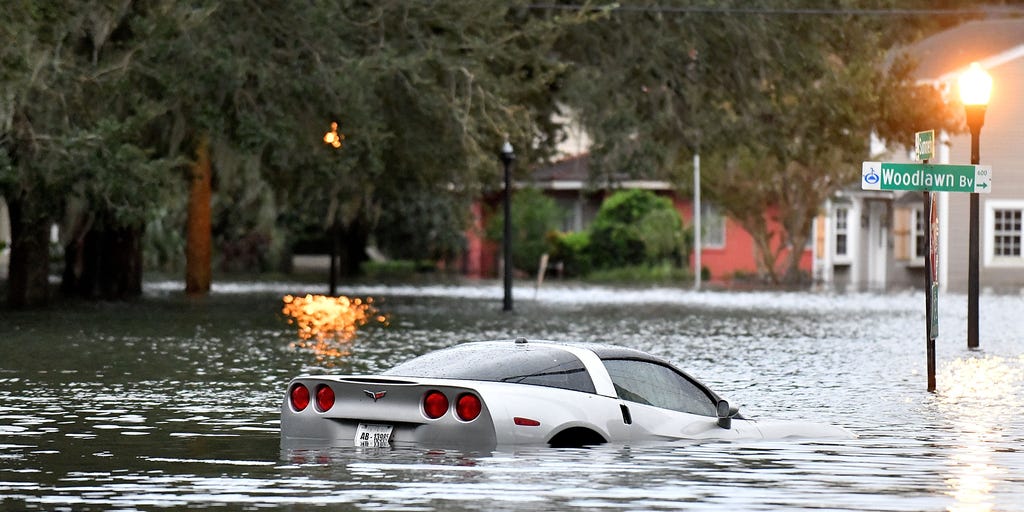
924	145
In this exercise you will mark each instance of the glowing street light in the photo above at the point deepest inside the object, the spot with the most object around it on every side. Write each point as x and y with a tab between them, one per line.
975	86
975	92
333	138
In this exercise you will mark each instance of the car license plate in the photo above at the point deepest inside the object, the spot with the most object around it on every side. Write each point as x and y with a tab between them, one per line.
373	434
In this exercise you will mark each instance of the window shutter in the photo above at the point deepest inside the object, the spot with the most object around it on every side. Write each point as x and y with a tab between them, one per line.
901	233
820	223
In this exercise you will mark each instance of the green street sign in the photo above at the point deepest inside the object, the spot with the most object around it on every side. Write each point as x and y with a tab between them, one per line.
924	145
930	177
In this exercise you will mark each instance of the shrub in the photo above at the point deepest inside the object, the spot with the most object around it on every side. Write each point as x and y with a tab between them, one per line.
665	273
636	227
573	251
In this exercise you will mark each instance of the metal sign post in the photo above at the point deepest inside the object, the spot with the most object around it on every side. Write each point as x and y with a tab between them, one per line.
931	283
924	146
928	178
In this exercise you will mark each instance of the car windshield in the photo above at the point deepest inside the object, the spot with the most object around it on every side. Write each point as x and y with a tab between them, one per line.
539	366
648	383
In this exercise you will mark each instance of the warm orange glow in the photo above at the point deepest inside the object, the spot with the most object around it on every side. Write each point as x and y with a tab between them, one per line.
975	86
990	380
328	324
333	137
975	393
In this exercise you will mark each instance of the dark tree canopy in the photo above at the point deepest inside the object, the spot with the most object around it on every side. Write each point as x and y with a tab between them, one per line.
781	104
105	105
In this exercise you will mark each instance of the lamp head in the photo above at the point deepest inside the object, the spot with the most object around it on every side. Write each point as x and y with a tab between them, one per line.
507	153
975	86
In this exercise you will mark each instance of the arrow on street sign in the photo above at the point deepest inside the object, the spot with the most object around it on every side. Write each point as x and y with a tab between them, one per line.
927	177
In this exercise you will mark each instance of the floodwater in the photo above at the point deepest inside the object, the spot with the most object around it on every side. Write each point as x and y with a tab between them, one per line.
170	403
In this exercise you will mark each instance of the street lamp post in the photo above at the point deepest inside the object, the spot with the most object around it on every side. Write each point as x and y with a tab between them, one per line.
333	138
507	156
975	90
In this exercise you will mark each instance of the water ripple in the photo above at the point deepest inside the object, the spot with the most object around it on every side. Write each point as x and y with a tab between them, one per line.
169	403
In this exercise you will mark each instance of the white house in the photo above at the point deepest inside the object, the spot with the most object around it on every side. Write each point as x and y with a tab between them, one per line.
875	240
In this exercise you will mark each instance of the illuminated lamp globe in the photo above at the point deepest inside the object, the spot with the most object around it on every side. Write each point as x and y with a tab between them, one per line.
975	86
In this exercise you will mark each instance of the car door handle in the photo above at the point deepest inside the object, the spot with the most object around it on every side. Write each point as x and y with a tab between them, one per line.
627	418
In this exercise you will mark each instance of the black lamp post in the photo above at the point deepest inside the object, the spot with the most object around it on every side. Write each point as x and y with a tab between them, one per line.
334	139
507	156
975	89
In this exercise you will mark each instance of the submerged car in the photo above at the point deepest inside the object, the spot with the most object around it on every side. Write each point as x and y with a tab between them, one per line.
520	392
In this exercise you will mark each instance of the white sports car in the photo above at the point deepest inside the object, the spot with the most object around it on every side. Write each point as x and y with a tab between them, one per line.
496	393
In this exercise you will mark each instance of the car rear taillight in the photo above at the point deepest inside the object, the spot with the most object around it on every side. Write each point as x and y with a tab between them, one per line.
324	397
468	407
435	404
299	396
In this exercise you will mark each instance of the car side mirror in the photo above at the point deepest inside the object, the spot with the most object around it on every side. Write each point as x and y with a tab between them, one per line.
724	414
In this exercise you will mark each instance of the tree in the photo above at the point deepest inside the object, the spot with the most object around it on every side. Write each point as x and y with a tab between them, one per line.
781	106
70	145
534	218
106	103
423	91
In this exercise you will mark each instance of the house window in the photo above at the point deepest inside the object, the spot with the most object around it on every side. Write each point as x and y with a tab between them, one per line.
712	226
1004	233
842	231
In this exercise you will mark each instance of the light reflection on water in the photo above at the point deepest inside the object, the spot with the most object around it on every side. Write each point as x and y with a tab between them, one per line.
977	393
173	403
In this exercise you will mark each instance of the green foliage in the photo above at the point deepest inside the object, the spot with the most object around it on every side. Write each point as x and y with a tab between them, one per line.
657	273
100	104
573	250
422	223
789	102
534	217
394	269
636	233
72	122
163	240
101	100
635	227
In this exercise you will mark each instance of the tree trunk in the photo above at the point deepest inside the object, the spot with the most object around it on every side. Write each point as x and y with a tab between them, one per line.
793	275
29	270
75	256
353	248
764	256
105	263
120	269
198	274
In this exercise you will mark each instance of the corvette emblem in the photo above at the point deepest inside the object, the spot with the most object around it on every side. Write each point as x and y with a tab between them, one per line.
375	395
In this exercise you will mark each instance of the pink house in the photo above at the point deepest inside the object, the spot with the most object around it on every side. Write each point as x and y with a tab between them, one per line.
727	252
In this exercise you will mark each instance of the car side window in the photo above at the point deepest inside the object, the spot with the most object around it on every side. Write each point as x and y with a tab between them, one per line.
565	373
542	366
654	384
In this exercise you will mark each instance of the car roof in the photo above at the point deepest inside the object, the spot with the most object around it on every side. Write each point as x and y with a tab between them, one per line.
603	350
547	364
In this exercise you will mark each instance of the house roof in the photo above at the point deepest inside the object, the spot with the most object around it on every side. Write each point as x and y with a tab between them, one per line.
573	173
574	168
989	42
